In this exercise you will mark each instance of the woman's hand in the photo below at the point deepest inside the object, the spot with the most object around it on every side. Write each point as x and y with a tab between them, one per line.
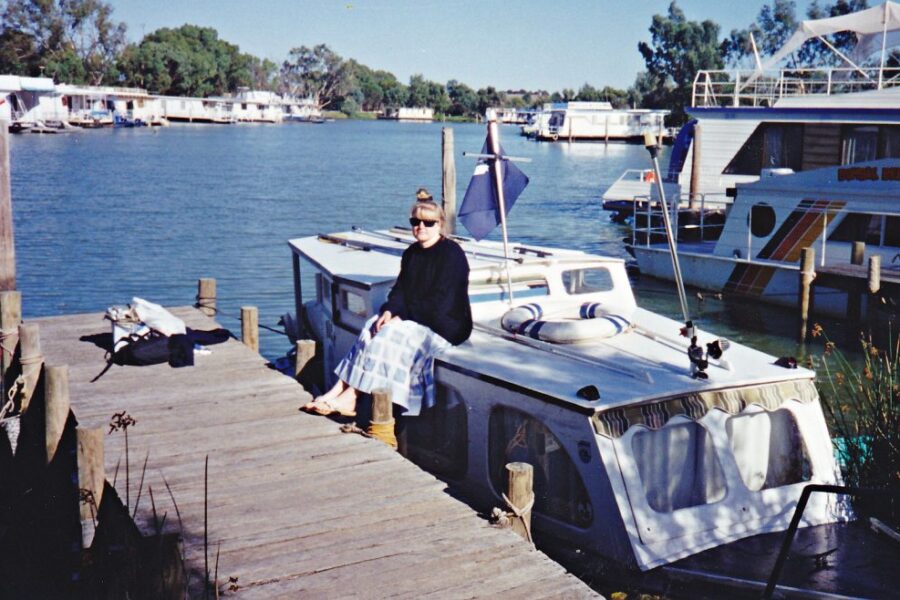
385	318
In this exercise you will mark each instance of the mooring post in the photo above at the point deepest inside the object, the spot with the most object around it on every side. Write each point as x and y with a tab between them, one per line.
10	319
858	253
91	479
306	350
56	406
807	274
250	327
874	274
448	180
520	496
31	359
7	237
206	296
382	425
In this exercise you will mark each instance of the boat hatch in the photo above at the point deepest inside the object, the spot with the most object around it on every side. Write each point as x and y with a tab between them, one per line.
704	469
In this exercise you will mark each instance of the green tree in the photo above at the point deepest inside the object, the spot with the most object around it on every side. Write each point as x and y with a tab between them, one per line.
678	50
463	99
774	24
815	52
188	61
318	73
75	41
488	97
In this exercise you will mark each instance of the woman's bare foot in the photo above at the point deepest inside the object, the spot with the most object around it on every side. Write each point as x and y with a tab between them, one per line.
336	390
343	404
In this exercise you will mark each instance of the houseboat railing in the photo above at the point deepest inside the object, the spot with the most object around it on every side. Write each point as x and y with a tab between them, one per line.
647	224
752	88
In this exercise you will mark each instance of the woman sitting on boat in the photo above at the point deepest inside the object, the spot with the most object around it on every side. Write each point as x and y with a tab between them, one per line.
426	312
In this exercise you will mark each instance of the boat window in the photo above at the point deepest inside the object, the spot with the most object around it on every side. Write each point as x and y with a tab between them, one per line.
859	143
768	449
558	489
762	219
353	302
861	227
890	142
585	281
772	145
437	439
892	232
678	467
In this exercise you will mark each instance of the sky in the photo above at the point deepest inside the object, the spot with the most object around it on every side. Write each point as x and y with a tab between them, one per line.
525	44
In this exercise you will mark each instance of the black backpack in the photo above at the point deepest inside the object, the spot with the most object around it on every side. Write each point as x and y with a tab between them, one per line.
154	348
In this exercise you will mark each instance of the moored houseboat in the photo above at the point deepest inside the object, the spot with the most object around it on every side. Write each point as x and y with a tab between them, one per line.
598	121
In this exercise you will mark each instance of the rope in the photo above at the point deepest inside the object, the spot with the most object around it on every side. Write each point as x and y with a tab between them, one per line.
383	432
8	334
504	518
17	386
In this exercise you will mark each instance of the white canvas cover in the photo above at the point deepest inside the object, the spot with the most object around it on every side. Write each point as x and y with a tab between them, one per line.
871	27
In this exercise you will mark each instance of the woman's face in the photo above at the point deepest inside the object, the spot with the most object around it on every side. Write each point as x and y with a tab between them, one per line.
426	235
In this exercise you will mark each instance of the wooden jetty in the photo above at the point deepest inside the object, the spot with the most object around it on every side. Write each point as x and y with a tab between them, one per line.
292	507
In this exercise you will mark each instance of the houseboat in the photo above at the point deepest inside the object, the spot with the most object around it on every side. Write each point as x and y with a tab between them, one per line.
745	121
642	456
29	102
598	121
301	110
408	113
257	106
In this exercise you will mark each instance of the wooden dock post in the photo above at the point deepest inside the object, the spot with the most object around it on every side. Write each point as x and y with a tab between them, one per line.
807	274
250	327
10	319
91	479
874	274
306	350
7	237
31	359
382	425
520	496
206	296
56	407
448	180
858	253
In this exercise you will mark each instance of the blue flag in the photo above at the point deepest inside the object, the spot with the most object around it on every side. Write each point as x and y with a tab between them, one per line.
480	210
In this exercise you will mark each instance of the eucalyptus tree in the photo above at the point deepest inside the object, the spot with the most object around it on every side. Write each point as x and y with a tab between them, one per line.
74	41
463	99
678	50
318	73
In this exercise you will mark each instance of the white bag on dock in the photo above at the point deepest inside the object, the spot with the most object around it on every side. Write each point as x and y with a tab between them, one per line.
158	318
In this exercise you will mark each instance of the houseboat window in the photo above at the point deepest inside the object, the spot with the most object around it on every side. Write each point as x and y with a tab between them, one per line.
859	143
890	142
437	439
585	281
762	219
772	145
768	449
874	230
558	489
678	467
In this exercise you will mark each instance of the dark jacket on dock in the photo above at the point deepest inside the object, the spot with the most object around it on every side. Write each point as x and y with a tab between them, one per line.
433	290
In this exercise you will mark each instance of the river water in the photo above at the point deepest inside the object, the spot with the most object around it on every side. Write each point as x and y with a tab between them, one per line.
104	215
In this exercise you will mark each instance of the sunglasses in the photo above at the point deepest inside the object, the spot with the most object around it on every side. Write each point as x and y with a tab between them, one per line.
426	222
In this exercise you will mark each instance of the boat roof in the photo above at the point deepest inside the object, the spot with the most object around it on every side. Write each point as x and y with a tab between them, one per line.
644	364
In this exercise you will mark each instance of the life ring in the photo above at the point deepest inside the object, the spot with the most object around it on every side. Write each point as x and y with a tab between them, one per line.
554	136
591	321
650	177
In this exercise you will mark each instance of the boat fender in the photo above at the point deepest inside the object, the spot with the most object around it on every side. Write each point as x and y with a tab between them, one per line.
554	137
591	321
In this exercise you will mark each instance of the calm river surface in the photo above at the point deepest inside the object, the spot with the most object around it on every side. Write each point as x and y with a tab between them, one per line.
104	215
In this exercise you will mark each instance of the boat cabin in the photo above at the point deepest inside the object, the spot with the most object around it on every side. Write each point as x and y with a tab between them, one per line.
639	455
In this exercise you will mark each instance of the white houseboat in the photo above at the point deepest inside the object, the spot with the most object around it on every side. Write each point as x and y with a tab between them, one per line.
257	106
301	110
745	121
640	455
408	113
26	102
598	121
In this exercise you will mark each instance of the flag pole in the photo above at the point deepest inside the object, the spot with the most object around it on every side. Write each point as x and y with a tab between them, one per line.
494	138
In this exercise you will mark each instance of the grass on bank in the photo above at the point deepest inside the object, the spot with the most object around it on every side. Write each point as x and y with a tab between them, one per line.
862	403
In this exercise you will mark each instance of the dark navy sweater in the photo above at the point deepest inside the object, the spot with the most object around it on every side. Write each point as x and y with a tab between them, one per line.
433	290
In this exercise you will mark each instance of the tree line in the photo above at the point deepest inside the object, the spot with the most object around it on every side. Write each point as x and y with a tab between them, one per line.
79	42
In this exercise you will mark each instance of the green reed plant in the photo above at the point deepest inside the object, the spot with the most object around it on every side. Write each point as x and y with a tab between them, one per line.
862	402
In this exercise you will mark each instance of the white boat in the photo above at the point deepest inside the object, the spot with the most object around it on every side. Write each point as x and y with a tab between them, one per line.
757	251
598	121
416	114
30	102
747	121
637	458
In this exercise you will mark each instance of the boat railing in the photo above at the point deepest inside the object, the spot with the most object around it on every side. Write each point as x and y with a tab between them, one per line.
755	88
648	227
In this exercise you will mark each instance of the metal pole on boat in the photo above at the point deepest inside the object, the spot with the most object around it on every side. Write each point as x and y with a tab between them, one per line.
650	143
494	140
